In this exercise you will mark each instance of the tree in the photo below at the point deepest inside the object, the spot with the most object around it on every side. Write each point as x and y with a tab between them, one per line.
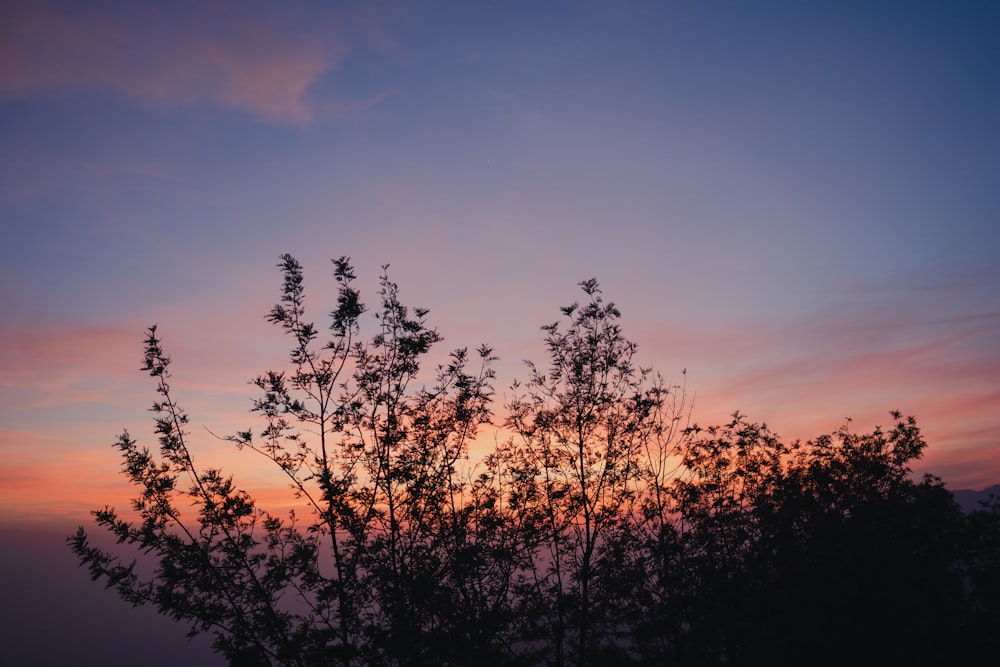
603	528
981	568
582	428
377	470
817	552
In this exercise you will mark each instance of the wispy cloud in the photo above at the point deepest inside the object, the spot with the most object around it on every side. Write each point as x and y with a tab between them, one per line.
807	376
45	478
169	55
966	468
42	477
37	365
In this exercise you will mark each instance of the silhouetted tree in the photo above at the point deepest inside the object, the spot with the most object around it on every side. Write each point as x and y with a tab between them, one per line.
823	552
981	559
582	427
377	469
602	528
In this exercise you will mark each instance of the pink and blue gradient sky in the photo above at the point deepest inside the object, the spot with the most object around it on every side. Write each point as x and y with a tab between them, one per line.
798	202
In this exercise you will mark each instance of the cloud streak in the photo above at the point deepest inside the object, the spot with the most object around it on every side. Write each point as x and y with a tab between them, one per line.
64	365
807	376
164	56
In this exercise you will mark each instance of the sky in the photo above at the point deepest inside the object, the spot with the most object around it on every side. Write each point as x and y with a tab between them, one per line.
795	205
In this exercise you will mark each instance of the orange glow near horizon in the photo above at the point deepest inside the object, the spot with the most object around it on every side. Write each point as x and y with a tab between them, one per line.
64	471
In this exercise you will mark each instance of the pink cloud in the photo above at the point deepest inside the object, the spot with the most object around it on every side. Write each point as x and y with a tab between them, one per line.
65	364
966	468
46	478
806	378
43	477
232	55
61	363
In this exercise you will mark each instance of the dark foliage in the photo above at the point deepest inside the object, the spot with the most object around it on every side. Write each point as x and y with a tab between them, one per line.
602	529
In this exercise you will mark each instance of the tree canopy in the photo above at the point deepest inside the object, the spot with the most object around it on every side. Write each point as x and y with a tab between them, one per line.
602	528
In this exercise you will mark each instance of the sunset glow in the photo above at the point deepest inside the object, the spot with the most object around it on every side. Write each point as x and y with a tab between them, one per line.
794	205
